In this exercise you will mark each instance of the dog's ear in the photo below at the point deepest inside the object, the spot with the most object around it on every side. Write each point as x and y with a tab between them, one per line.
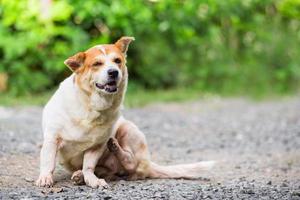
76	61
123	43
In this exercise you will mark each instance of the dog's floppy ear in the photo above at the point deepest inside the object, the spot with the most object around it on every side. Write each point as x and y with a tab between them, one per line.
123	43
76	61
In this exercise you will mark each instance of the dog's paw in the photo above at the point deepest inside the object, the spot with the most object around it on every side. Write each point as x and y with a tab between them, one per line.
77	177
112	145
96	183
44	181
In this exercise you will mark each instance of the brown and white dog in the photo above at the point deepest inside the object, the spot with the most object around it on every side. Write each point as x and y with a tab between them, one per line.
82	123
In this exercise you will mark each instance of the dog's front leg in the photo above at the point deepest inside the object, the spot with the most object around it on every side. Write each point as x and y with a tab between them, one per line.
47	164
90	160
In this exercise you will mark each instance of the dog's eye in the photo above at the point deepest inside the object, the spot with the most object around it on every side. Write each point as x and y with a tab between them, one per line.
117	60
98	63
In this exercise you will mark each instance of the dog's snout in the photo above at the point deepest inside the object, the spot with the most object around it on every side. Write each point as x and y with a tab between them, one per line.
113	73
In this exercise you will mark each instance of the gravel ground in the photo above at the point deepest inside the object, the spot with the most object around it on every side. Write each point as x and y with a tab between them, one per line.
257	146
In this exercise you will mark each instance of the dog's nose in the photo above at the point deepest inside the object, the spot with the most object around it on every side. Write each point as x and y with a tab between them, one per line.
113	73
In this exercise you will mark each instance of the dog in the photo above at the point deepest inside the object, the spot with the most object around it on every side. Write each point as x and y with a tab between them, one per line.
83	125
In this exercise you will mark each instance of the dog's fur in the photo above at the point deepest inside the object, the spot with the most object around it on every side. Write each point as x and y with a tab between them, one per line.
83	124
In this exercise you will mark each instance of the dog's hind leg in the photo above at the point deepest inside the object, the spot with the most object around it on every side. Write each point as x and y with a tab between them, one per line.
124	155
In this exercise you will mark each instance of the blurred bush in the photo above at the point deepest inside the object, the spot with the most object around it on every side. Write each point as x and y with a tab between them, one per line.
233	46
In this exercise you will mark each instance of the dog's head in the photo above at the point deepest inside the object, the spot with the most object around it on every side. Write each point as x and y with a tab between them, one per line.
102	67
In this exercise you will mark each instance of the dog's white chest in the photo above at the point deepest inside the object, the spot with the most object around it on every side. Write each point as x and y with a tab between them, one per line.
84	130
78	139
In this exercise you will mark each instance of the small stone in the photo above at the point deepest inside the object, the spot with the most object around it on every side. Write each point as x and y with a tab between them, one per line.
28	179
51	190
284	169
296	193
157	194
284	184
57	190
248	191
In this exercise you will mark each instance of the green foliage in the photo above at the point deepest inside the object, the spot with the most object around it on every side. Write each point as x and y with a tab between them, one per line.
233	46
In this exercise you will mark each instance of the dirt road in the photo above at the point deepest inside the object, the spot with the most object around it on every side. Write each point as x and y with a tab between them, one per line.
257	146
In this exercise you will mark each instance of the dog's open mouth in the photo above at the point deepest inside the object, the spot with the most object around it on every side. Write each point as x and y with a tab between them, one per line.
110	86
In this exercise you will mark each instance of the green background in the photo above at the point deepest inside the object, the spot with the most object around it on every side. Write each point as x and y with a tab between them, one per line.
235	47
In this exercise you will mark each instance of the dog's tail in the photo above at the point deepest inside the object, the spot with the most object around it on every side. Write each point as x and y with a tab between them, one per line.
186	171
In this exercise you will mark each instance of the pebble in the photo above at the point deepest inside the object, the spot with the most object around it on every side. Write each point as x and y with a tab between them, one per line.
28	179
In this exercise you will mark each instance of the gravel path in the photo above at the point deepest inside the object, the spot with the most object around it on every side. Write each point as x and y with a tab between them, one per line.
257	146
